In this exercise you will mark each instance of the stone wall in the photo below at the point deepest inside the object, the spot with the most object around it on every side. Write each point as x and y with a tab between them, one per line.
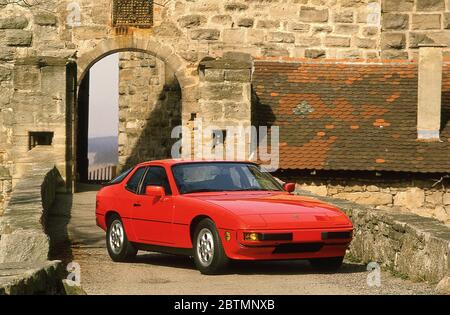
424	197
408	23
411	246
149	107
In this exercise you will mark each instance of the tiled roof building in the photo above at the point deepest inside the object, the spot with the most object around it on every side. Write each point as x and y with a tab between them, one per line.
349	116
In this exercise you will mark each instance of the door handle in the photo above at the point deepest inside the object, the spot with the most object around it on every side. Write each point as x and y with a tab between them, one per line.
136	204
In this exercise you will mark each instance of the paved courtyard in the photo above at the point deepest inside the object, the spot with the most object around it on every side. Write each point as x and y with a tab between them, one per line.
152	273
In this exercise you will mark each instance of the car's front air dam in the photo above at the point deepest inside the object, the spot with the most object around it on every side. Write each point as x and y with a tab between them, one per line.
305	244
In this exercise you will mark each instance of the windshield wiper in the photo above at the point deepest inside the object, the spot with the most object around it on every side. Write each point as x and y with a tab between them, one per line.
202	190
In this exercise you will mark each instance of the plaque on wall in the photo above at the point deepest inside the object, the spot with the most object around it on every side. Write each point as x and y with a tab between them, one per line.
137	13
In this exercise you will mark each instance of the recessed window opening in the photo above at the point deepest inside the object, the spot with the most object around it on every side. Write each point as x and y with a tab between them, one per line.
36	138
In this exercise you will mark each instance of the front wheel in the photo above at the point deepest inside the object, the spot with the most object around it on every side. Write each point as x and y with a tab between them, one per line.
119	248
327	264
209	256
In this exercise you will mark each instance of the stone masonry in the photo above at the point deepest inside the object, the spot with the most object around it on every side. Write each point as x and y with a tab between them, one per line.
424	197
149	107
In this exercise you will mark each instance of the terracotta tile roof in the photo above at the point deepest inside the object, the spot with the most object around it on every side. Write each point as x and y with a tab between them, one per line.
349	116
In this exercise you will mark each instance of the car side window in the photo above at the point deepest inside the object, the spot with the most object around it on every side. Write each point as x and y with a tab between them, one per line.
156	176
133	183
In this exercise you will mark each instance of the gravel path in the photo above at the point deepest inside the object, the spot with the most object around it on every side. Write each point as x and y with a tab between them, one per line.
152	273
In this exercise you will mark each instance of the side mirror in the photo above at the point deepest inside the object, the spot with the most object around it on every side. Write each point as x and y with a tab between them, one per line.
155	191
289	187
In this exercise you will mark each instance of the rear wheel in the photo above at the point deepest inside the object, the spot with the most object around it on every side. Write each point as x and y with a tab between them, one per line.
119	248
209	256
327	264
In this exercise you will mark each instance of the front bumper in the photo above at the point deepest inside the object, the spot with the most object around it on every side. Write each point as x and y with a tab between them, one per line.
304	244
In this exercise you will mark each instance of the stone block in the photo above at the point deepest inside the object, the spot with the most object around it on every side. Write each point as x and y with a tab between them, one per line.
268	24
447	20
193	20
314	15
344	17
238	75
222	19
367	198
435	198
72	288
397	5
315	53
426	21
430	5
446	199
412	199
246	22
236	6
19	38
346	29
14	22
393	41
337	41
393	21
281	37
205	34
234	35
299	27
45	19
366	43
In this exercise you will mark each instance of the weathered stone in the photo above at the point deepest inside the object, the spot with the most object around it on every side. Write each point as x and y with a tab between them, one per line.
7	54
167	29
311	14
435	198
370	31
346	29
393	41
344	17
268	24
394	54
335	41
316	190
205	34
395	21
222	19
366	198
13	22
300	27
18	38
246	22
315	53
45	19
443	287
398	5
365	43
415	39
446	199
190	21
430	5
238	75
234	35
274	51
236	6
413	198
72	288
426	21
307	41
447	20
281	37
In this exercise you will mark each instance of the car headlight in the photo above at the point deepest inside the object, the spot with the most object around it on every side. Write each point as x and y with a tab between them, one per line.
250	236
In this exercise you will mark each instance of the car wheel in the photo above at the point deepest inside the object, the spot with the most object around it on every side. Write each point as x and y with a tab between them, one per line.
209	256
327	264
119	248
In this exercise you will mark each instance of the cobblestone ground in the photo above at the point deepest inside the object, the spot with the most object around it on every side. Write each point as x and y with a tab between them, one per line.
152	273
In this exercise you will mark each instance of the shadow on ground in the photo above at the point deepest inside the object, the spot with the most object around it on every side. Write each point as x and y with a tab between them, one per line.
292	267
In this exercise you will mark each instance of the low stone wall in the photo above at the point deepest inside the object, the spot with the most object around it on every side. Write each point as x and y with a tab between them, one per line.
406	244
427	197
24	245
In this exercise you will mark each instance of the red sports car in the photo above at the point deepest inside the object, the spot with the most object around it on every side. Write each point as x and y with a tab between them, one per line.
217	212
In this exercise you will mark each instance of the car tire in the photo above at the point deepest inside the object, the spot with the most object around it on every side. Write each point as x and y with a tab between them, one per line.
119	248
209	255
327	264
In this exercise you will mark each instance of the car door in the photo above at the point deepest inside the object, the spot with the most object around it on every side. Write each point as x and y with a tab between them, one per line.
152	216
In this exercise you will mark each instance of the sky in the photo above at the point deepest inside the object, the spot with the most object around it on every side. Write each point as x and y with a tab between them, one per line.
104	97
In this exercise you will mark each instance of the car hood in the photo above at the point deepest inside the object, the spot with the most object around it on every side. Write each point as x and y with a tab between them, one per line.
279	210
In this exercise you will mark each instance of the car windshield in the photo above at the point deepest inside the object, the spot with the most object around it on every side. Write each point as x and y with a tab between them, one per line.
212	177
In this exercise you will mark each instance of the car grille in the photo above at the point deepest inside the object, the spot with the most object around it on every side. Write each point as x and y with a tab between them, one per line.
297	248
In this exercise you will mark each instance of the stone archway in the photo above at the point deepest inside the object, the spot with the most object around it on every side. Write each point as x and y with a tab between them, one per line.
177	66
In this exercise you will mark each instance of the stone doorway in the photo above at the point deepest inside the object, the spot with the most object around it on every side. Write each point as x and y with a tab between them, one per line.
149	107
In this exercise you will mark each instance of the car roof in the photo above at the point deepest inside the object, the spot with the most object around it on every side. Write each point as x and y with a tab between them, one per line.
171	162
